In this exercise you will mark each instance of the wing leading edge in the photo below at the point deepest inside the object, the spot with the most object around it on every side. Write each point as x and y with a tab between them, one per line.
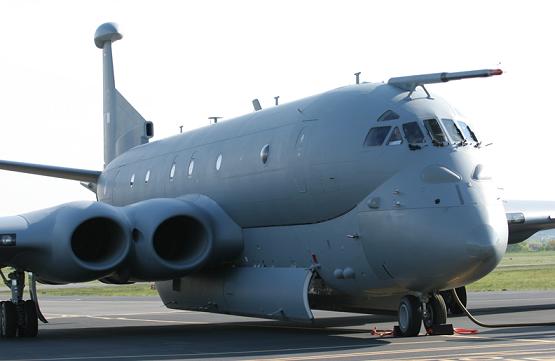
84	175
525	218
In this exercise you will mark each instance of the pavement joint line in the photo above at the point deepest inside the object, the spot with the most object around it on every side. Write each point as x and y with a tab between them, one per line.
202	354
503	338
468	356
147	320
122	314
393	352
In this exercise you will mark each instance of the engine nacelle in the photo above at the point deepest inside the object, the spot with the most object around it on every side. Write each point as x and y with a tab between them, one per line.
175	237
73	242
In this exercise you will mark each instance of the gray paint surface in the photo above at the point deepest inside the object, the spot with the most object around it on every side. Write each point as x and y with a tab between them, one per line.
287	198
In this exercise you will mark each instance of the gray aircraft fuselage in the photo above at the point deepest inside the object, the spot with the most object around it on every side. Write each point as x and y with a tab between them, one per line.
374	220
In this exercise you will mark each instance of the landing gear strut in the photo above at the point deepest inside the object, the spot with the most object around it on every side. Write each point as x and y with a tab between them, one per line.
413	313
17	316
452	306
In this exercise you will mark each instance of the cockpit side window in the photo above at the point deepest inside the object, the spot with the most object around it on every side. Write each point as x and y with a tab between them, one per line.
468	133
453	131
395	138
376	136
435	132
413	133
388	115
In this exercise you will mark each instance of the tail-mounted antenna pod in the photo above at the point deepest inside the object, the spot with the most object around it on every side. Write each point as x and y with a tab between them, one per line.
106	32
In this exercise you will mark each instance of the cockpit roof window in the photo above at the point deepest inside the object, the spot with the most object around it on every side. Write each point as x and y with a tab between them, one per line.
413	133
453	131
376	136
468	133
395	138
388	115
435	132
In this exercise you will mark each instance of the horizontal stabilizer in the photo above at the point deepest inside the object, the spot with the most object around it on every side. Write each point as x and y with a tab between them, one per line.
83	175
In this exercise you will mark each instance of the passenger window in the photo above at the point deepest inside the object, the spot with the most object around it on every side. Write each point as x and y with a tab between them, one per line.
413	133
191	167
172	171
265	153
219	162
395	138
388	115
468	133
376	136
453	131
435	132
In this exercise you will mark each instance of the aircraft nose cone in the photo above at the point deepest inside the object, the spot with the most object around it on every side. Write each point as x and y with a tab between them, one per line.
484	243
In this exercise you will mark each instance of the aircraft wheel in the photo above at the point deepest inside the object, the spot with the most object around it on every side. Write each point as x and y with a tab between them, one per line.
30	324
451	304
436	311
8	314
410	316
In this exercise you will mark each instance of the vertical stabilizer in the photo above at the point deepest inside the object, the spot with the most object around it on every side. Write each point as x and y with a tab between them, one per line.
124	127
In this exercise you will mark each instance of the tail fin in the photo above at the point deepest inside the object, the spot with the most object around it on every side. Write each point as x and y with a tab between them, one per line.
124	127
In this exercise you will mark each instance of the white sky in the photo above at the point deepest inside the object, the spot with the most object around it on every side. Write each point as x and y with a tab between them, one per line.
183	61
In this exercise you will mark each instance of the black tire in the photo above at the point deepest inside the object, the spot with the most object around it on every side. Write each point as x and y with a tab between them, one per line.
436	311
8	313
410	316
30	324
450	302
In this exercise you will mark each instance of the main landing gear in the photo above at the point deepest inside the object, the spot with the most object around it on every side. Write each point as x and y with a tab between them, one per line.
452	305
413	312
19	317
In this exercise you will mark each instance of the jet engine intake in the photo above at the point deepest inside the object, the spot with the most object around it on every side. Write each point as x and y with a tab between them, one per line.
175	237
73	242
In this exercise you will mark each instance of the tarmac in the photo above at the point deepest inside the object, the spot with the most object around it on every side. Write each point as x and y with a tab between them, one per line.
141	328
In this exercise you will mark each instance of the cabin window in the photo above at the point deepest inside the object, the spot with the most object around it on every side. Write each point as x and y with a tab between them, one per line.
468	133
388	115
219	162
435	132
395	138
132	180
265	153
191	167
172	171
453	131
376	136
413	133
147	176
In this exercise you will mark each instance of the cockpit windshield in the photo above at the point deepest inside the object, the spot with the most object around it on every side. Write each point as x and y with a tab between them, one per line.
468	133
413	133
395	138
453	131
433	128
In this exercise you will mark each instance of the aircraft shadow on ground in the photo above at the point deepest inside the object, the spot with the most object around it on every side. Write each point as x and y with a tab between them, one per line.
209	341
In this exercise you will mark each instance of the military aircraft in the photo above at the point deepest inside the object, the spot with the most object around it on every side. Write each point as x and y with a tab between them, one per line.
369	198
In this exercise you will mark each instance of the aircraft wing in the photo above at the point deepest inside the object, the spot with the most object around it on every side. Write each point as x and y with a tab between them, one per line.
84	175
525	218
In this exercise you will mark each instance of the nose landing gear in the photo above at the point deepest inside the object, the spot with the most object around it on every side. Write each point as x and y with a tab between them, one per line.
413	312
19	317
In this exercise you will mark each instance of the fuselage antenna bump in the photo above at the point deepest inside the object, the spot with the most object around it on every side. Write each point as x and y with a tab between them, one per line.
276	98
214	120
357	77
256	105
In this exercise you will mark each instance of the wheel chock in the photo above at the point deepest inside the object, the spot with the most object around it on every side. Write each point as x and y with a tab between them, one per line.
443	329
